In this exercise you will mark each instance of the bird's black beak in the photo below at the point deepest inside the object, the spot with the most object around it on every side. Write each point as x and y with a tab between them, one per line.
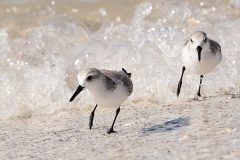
79	89
199	50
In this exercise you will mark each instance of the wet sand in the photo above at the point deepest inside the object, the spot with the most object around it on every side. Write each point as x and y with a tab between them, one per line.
208	129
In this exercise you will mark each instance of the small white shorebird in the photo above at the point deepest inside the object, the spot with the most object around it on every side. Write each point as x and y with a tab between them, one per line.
108	88
201	55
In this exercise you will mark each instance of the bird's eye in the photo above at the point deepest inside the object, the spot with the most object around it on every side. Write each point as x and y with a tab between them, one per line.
191	40
89	78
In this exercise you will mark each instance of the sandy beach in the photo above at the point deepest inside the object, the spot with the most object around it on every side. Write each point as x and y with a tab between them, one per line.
208	129
45	44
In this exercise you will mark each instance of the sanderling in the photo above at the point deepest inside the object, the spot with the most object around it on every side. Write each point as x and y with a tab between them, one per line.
108	88
200	54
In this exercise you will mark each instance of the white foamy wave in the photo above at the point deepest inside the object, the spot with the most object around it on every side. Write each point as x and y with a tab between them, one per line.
39	71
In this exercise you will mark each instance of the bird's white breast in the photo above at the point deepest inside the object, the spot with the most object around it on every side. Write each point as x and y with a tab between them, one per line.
108	98
208	60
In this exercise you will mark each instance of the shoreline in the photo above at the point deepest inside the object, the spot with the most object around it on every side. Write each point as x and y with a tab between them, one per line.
208	129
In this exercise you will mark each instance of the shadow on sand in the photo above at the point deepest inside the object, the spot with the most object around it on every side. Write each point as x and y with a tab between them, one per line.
168	126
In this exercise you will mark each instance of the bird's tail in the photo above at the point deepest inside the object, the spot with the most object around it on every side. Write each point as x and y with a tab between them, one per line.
128	74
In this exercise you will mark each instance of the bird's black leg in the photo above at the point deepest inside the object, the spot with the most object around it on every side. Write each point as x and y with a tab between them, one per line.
199	93
180	82
91	117
111	129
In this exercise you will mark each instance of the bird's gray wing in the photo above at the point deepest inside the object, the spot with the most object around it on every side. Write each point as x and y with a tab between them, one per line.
109	82
214	47
118	77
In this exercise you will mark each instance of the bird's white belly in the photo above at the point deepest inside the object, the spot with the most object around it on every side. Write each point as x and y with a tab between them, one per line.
208	61
109	98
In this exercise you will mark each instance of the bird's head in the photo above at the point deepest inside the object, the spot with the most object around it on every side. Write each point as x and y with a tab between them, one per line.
88	79
198	40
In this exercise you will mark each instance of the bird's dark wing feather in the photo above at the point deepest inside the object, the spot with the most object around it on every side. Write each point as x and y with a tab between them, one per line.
214	47
115	77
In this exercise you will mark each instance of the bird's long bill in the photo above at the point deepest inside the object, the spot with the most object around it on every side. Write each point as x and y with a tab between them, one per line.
199	50
79	89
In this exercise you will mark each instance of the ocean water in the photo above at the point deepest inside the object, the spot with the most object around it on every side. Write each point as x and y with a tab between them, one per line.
44	44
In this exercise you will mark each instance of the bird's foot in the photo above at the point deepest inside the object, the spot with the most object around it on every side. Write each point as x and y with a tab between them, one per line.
111	131
231	96
198	98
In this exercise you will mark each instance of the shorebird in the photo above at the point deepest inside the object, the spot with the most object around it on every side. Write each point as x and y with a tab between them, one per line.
201	55
107	88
